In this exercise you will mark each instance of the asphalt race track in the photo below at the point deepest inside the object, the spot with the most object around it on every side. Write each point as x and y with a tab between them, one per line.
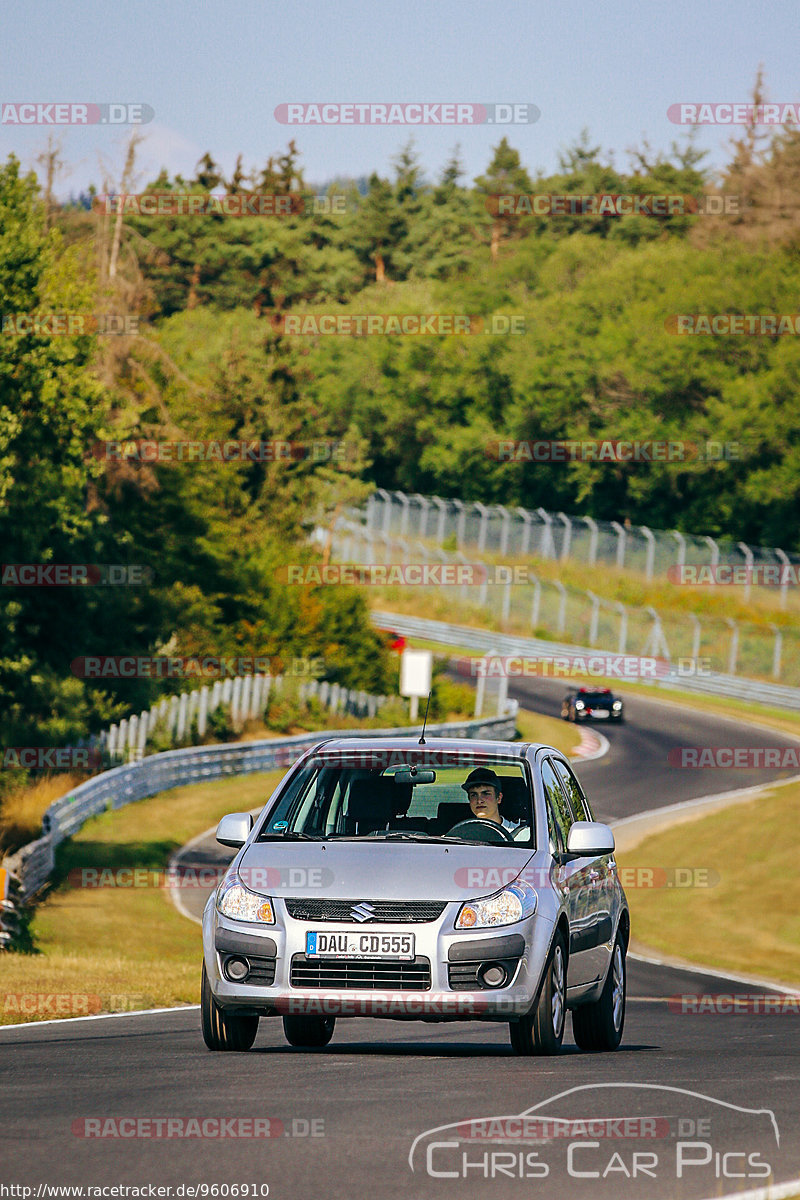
711	1098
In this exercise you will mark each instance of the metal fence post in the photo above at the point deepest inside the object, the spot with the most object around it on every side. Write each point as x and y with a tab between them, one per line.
681	540
526	534
622	535
651	551
623	627
714	548
484	511
537	601
733	652
440	504
567	541
504	528
562	606
546	542
784	574
594	619
748	558
776	652
590	521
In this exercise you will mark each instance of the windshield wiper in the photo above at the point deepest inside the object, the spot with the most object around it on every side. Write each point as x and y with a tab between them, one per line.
290	835
401	835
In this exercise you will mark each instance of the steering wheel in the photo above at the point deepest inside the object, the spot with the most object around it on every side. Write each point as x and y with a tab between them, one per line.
475	828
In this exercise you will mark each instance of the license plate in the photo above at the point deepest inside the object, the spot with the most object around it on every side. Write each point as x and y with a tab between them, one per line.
349	944
599	714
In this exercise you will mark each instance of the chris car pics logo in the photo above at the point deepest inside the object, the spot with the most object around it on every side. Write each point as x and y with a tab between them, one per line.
609	1131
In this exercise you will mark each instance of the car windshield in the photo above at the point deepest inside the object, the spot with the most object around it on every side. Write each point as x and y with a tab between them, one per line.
405	798
594	697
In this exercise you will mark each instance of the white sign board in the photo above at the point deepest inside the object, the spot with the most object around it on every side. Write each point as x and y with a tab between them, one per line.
416	668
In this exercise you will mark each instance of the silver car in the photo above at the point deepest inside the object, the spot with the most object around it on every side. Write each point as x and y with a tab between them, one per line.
449	880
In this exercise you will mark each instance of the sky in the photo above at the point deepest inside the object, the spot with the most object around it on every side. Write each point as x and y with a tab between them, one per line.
214	74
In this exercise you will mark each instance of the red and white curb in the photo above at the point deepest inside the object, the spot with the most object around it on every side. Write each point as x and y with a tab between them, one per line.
592	745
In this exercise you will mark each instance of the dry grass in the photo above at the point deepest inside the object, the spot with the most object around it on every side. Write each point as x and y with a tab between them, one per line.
748	920
21	810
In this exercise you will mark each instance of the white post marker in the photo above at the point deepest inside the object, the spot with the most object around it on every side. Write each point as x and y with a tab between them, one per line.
416	669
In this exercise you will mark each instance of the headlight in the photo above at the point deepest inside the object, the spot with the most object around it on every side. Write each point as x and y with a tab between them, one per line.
236	902
513	904
617	705
579	704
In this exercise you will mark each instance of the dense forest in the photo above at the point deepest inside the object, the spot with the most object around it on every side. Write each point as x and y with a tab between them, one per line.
590	295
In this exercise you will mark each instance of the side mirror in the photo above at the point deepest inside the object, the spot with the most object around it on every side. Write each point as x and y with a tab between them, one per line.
234	829
590	839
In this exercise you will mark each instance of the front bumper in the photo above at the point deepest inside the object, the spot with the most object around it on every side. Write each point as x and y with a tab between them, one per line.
443	983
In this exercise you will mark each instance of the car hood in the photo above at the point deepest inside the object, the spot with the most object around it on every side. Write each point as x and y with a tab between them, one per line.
380	870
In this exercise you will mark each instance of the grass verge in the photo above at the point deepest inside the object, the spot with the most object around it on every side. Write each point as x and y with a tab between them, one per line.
748	920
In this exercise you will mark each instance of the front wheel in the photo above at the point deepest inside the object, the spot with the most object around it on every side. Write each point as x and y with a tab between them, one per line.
308	1031
598	1026
222	1030
541	1031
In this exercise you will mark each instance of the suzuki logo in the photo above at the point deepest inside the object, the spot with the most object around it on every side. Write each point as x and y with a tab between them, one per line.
362	912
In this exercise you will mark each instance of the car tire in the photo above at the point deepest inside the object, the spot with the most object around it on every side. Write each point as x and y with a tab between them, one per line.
223	1030
541	1031
598	1026
308	1031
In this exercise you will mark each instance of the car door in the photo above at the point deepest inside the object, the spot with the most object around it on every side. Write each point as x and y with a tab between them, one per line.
571	879
599	875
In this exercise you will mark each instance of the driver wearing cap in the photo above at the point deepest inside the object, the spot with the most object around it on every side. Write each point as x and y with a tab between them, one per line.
483	792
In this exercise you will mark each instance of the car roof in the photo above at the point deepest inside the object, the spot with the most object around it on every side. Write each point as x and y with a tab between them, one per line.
440	745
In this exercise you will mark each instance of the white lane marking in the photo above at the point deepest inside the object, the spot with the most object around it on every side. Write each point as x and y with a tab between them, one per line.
677	964
142	1012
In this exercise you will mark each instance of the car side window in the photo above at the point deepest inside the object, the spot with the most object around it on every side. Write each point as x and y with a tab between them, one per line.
559	817
578	802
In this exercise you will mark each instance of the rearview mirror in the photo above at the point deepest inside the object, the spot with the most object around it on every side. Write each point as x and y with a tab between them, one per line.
234	829
414	775
590	839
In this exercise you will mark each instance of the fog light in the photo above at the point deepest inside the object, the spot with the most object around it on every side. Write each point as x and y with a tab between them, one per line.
493	975
236	969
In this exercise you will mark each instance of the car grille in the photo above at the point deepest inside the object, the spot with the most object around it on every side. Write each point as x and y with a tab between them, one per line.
396	912
335	973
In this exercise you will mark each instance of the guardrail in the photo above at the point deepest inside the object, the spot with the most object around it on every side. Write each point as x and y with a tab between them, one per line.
715	684
31	866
